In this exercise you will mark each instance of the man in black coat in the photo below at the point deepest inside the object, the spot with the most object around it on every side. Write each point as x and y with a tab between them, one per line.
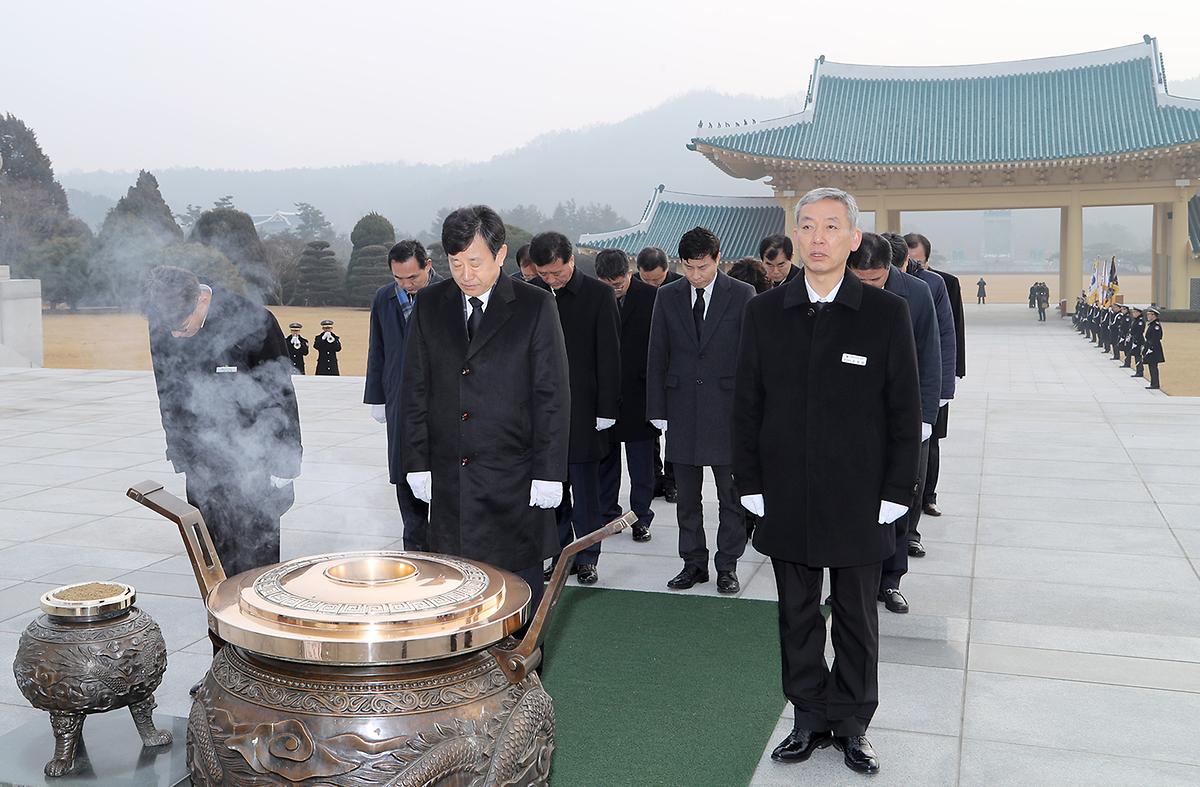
591	325
485	405
527	271
689	397
391	311
636	301
228	409
873	262
775	251
297	348
654	269
328	345
920	251
826	428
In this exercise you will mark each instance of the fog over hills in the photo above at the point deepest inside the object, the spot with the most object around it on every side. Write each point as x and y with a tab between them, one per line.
618	163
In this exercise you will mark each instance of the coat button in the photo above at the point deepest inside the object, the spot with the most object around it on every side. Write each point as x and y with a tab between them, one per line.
812	312
699	382
465	416
466	461
466	370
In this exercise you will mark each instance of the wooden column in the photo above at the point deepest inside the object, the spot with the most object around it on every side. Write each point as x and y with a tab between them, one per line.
1158	256
1070	261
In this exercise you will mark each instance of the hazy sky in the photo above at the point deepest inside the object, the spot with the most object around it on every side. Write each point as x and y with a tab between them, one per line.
265	85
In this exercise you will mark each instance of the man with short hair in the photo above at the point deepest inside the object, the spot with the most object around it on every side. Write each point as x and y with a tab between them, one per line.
526	270
636	302
689	398
920	251
591	326
228	409
483	405
826	426
297	348
874	263
654	268
775	251
391	311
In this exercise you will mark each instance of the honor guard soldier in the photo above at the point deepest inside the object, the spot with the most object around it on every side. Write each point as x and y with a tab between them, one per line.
297	348
327	345
1137	333
1152	355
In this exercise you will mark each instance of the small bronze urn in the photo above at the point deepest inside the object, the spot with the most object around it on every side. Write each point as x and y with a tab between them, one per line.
93	651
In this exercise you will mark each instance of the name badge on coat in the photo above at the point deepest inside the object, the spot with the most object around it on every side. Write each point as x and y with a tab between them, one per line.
856	360
230	369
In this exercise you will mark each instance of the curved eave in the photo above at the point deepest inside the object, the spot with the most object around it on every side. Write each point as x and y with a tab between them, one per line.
721	155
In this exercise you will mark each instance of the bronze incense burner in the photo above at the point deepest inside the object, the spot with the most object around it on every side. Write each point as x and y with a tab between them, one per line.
92	651
369	668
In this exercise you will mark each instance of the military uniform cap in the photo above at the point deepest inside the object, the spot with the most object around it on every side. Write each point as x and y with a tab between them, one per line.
295	325
1153	309
326	322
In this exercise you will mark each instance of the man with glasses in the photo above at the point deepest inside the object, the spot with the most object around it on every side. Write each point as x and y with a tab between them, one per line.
228	409
775	251
689	398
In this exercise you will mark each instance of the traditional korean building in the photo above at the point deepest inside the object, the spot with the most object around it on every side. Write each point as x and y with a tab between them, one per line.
1092	129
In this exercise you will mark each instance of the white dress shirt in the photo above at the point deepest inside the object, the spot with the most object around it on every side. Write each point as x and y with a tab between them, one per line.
468	309
814	298
708	294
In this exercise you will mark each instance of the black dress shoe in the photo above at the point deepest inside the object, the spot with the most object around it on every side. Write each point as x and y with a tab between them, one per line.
727	582
858	754
550	571
588	574
691	575
894	600
1151	387
641	532
799	745
671	494
930	510
915	549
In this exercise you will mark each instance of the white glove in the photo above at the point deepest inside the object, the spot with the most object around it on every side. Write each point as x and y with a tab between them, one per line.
754	504
280	483
605	423
659	424
421	485
889	512
296	342
943	402
379	413
327	336
926	431
545	494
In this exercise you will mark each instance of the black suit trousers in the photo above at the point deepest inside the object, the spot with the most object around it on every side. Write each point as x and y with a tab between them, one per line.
731	523
640	456
896	566
242	515
842	699
579	513
415	514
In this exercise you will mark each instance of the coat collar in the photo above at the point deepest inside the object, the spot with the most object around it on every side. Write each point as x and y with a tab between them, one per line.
849	294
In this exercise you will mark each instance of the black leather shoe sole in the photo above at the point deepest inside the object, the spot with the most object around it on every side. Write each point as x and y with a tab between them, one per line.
786	755
587	575
683	583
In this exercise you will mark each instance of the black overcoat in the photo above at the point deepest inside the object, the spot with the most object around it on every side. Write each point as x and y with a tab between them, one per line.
297	353
954	292
636	312
226	396
926	336
689	383
1153	343
327	362
385	361
827	421
487	419
591	326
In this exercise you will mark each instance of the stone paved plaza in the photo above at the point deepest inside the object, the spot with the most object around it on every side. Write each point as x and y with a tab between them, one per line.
1055	631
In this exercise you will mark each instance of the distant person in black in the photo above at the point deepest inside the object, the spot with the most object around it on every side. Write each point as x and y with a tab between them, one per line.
1043	303
1137	335
297	347
654	269
981	293
228	408
328	345
1152	355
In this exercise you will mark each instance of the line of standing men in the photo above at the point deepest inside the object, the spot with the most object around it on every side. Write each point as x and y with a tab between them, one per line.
1135	331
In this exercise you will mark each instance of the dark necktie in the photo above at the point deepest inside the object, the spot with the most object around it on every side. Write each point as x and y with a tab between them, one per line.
475	319
698	311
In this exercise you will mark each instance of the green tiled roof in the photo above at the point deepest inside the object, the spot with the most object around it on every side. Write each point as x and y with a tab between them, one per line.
740	223
1194	223
1098	103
